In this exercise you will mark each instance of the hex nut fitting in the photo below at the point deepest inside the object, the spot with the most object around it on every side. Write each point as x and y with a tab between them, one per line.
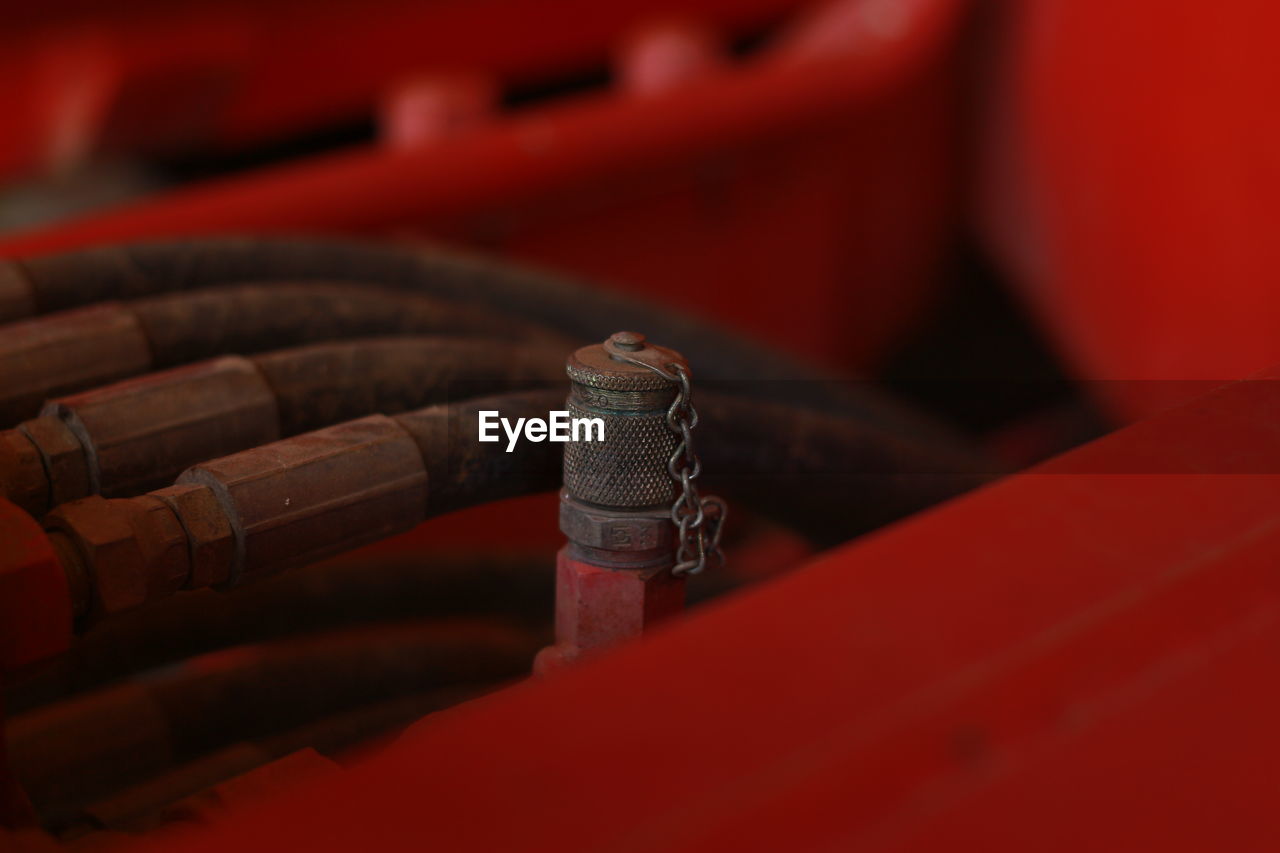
211	540
133	551
65	460
618	539
22	473
109	549
165	553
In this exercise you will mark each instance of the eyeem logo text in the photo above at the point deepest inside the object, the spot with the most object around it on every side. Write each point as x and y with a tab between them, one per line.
557	427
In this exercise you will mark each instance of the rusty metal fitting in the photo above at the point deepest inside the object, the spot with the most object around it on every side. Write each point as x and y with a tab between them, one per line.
130	551
284	504
628	470
211	541
48	356
66	464
615	506
614	579
24	480
137	434
622	539
304	498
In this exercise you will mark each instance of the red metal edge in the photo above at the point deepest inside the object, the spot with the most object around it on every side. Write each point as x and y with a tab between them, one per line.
35	603
367	188
152	76
1040	644
1129	184
736	181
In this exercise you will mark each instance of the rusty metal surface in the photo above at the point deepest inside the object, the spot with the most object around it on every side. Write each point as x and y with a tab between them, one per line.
211	541
138	434
24	480
77	349
629	468
614	578
614	535
464	472
295	501
66	463
133	551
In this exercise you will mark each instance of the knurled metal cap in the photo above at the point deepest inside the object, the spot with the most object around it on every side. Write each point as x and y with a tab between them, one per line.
595	367
628	470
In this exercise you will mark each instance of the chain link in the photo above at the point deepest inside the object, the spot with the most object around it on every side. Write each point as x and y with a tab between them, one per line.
698	520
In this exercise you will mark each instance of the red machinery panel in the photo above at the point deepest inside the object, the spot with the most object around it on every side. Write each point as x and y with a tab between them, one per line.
814	181
1131	183
1074	656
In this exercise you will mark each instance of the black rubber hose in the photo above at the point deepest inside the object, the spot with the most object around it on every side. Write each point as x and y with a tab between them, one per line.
583	311
69	754
249	318
73	350
326	384
344	593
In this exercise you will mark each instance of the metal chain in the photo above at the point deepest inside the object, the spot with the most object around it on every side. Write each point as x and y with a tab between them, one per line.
698	520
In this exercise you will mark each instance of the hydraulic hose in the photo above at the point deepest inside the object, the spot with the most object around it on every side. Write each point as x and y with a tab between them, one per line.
201	789
298	500
72	753
570	307
135	435
82	348
353	590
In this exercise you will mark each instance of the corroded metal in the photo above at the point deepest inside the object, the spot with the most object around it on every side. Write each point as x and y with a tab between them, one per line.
23	477
63	456
628	470
138	433
130	551
298	500
76	349
614	578
125	438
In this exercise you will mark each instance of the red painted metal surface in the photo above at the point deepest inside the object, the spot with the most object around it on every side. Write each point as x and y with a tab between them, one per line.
35	605
148	76
598	607
1078	657
35	623
1034	665
1131	186
810	179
